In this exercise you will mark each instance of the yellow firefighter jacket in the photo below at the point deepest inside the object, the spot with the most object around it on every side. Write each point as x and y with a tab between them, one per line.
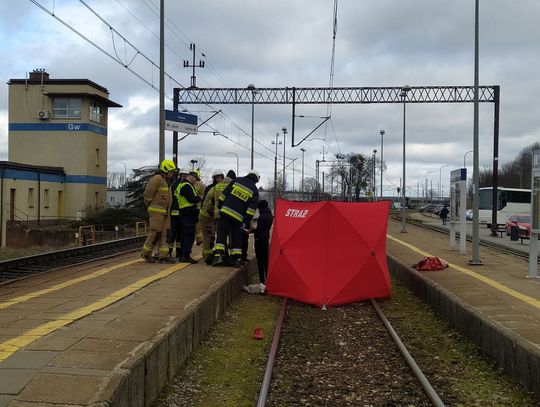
157	196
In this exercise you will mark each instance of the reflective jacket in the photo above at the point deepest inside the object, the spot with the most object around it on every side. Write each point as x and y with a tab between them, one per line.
157	196
239	199
174	205
187	197
209	207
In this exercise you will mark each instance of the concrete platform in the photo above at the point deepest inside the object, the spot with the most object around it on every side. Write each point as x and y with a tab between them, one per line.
496	305
111	333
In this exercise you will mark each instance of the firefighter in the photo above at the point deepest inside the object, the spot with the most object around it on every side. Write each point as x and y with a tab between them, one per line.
200	188
157	198
188	199
206	216
237	205
173	234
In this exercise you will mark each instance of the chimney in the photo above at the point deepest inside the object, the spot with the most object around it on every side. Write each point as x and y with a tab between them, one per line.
39	75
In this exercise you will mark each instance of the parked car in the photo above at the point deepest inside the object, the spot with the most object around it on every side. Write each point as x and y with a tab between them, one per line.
522	221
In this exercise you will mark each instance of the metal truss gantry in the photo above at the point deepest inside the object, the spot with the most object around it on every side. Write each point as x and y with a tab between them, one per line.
269	96
350	95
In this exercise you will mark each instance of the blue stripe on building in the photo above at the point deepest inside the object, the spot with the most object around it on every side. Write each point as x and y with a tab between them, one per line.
85	179
69	127
68	179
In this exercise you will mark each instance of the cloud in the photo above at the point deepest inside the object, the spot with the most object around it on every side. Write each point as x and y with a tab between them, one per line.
283	43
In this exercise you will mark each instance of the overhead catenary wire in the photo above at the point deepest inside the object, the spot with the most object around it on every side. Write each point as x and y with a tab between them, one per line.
120	61
332	72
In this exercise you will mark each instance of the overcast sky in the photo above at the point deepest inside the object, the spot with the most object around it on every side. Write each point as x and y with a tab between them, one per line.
283	43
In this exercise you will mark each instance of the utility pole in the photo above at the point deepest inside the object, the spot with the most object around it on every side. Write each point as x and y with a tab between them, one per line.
193	65
284	130
161	80
303	151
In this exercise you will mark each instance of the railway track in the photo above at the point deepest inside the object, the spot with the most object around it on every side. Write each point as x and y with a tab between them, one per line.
439	229
347	358
23	267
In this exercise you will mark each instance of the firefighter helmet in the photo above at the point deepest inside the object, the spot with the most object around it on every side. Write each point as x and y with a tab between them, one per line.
256	173
167	166
218	172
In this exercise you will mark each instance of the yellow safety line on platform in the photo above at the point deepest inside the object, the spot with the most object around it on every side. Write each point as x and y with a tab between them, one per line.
501	287
26	297
11	346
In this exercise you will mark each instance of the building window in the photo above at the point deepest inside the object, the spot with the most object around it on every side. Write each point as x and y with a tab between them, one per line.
96	112
67	108
46	198
30	197
97	157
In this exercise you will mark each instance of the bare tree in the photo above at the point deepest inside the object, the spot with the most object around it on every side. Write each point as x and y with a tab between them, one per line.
116	180
512	174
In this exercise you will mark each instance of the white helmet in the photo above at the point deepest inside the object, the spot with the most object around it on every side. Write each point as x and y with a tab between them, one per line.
256	173
218	172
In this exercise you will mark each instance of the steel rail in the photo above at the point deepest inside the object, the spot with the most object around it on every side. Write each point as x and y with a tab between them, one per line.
424	382
24	267
486	243
265	386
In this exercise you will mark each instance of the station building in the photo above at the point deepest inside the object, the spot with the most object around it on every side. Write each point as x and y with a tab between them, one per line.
57	132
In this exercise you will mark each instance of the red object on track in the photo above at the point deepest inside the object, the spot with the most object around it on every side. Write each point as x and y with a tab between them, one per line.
329	253
258	333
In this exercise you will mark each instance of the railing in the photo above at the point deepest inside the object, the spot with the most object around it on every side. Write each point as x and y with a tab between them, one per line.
86	235
138	227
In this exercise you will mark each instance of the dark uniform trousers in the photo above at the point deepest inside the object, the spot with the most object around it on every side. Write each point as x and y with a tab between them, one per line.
188	221
230	225
261	252
174	235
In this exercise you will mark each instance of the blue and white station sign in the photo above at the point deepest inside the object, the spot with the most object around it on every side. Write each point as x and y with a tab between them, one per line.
181	122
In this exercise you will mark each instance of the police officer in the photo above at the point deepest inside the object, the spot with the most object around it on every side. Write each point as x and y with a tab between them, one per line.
157	198
237	204
188	199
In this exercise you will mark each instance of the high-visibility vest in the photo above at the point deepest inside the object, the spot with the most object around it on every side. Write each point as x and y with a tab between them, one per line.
182	201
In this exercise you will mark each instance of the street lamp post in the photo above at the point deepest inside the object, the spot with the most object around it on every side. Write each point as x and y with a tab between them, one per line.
303	150
425	176
382	136
237	163
440	180
464	156
275	166
404	90
253	90
374	189
193	162
284	130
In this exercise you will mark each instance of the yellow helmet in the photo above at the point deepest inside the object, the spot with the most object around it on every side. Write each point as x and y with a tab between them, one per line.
167	166
198	172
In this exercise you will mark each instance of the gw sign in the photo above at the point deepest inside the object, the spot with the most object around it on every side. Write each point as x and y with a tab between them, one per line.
181	122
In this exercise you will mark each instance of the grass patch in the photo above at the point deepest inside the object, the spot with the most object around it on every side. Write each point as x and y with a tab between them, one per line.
227	368
454	365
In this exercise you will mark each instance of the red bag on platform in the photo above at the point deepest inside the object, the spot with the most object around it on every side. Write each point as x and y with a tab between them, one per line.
431	263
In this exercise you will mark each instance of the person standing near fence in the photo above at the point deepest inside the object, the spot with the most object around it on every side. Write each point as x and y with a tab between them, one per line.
443	214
